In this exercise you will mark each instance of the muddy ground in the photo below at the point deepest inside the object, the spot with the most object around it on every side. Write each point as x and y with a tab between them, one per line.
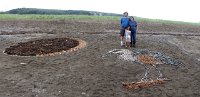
88	72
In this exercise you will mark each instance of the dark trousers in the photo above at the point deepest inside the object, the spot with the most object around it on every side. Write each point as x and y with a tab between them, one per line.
133	37
122	31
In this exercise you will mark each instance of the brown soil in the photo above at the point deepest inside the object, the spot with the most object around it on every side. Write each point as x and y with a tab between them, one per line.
85	73
143	84
146	59
42	47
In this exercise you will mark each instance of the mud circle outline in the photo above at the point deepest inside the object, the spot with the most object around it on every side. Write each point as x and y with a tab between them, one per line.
82	44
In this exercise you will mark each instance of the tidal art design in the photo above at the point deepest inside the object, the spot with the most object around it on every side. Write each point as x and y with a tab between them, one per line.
150	60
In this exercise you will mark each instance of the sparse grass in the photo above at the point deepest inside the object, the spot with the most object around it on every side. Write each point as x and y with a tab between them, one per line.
164	21
54	17
80	17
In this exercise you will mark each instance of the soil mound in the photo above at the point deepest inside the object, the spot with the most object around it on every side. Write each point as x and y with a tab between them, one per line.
42	47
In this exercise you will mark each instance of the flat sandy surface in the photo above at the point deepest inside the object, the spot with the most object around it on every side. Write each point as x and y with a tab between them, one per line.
91	71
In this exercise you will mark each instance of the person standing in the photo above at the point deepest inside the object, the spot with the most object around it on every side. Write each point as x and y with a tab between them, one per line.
128	37
134	29
124	25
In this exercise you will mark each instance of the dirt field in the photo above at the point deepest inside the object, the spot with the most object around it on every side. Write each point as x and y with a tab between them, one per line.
93	71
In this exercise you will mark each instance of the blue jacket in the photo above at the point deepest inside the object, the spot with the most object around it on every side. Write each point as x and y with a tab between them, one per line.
133	25
124	22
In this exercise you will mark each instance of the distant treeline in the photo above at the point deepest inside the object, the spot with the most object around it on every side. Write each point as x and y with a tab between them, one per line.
57	12
2	12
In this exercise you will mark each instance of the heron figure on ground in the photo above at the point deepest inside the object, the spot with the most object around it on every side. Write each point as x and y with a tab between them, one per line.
148	60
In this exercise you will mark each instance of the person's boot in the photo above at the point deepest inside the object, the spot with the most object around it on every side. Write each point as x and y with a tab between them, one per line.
131	45
134	45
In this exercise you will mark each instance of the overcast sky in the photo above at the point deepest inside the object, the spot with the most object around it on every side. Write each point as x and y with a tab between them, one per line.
179	10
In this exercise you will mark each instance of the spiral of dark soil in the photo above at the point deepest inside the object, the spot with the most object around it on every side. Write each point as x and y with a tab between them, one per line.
42	47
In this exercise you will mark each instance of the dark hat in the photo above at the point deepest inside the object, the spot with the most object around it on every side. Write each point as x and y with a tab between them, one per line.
125	12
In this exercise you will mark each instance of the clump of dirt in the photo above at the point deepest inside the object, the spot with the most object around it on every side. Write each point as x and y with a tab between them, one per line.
145	56
146	59
143	84
42	47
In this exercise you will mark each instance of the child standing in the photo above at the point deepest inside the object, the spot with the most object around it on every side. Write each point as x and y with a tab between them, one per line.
128	37
124	25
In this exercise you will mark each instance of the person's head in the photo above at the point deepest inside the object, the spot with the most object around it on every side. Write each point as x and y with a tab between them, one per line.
128	28
125	14
131	18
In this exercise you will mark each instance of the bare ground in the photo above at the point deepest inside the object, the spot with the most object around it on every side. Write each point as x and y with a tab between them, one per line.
85	73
